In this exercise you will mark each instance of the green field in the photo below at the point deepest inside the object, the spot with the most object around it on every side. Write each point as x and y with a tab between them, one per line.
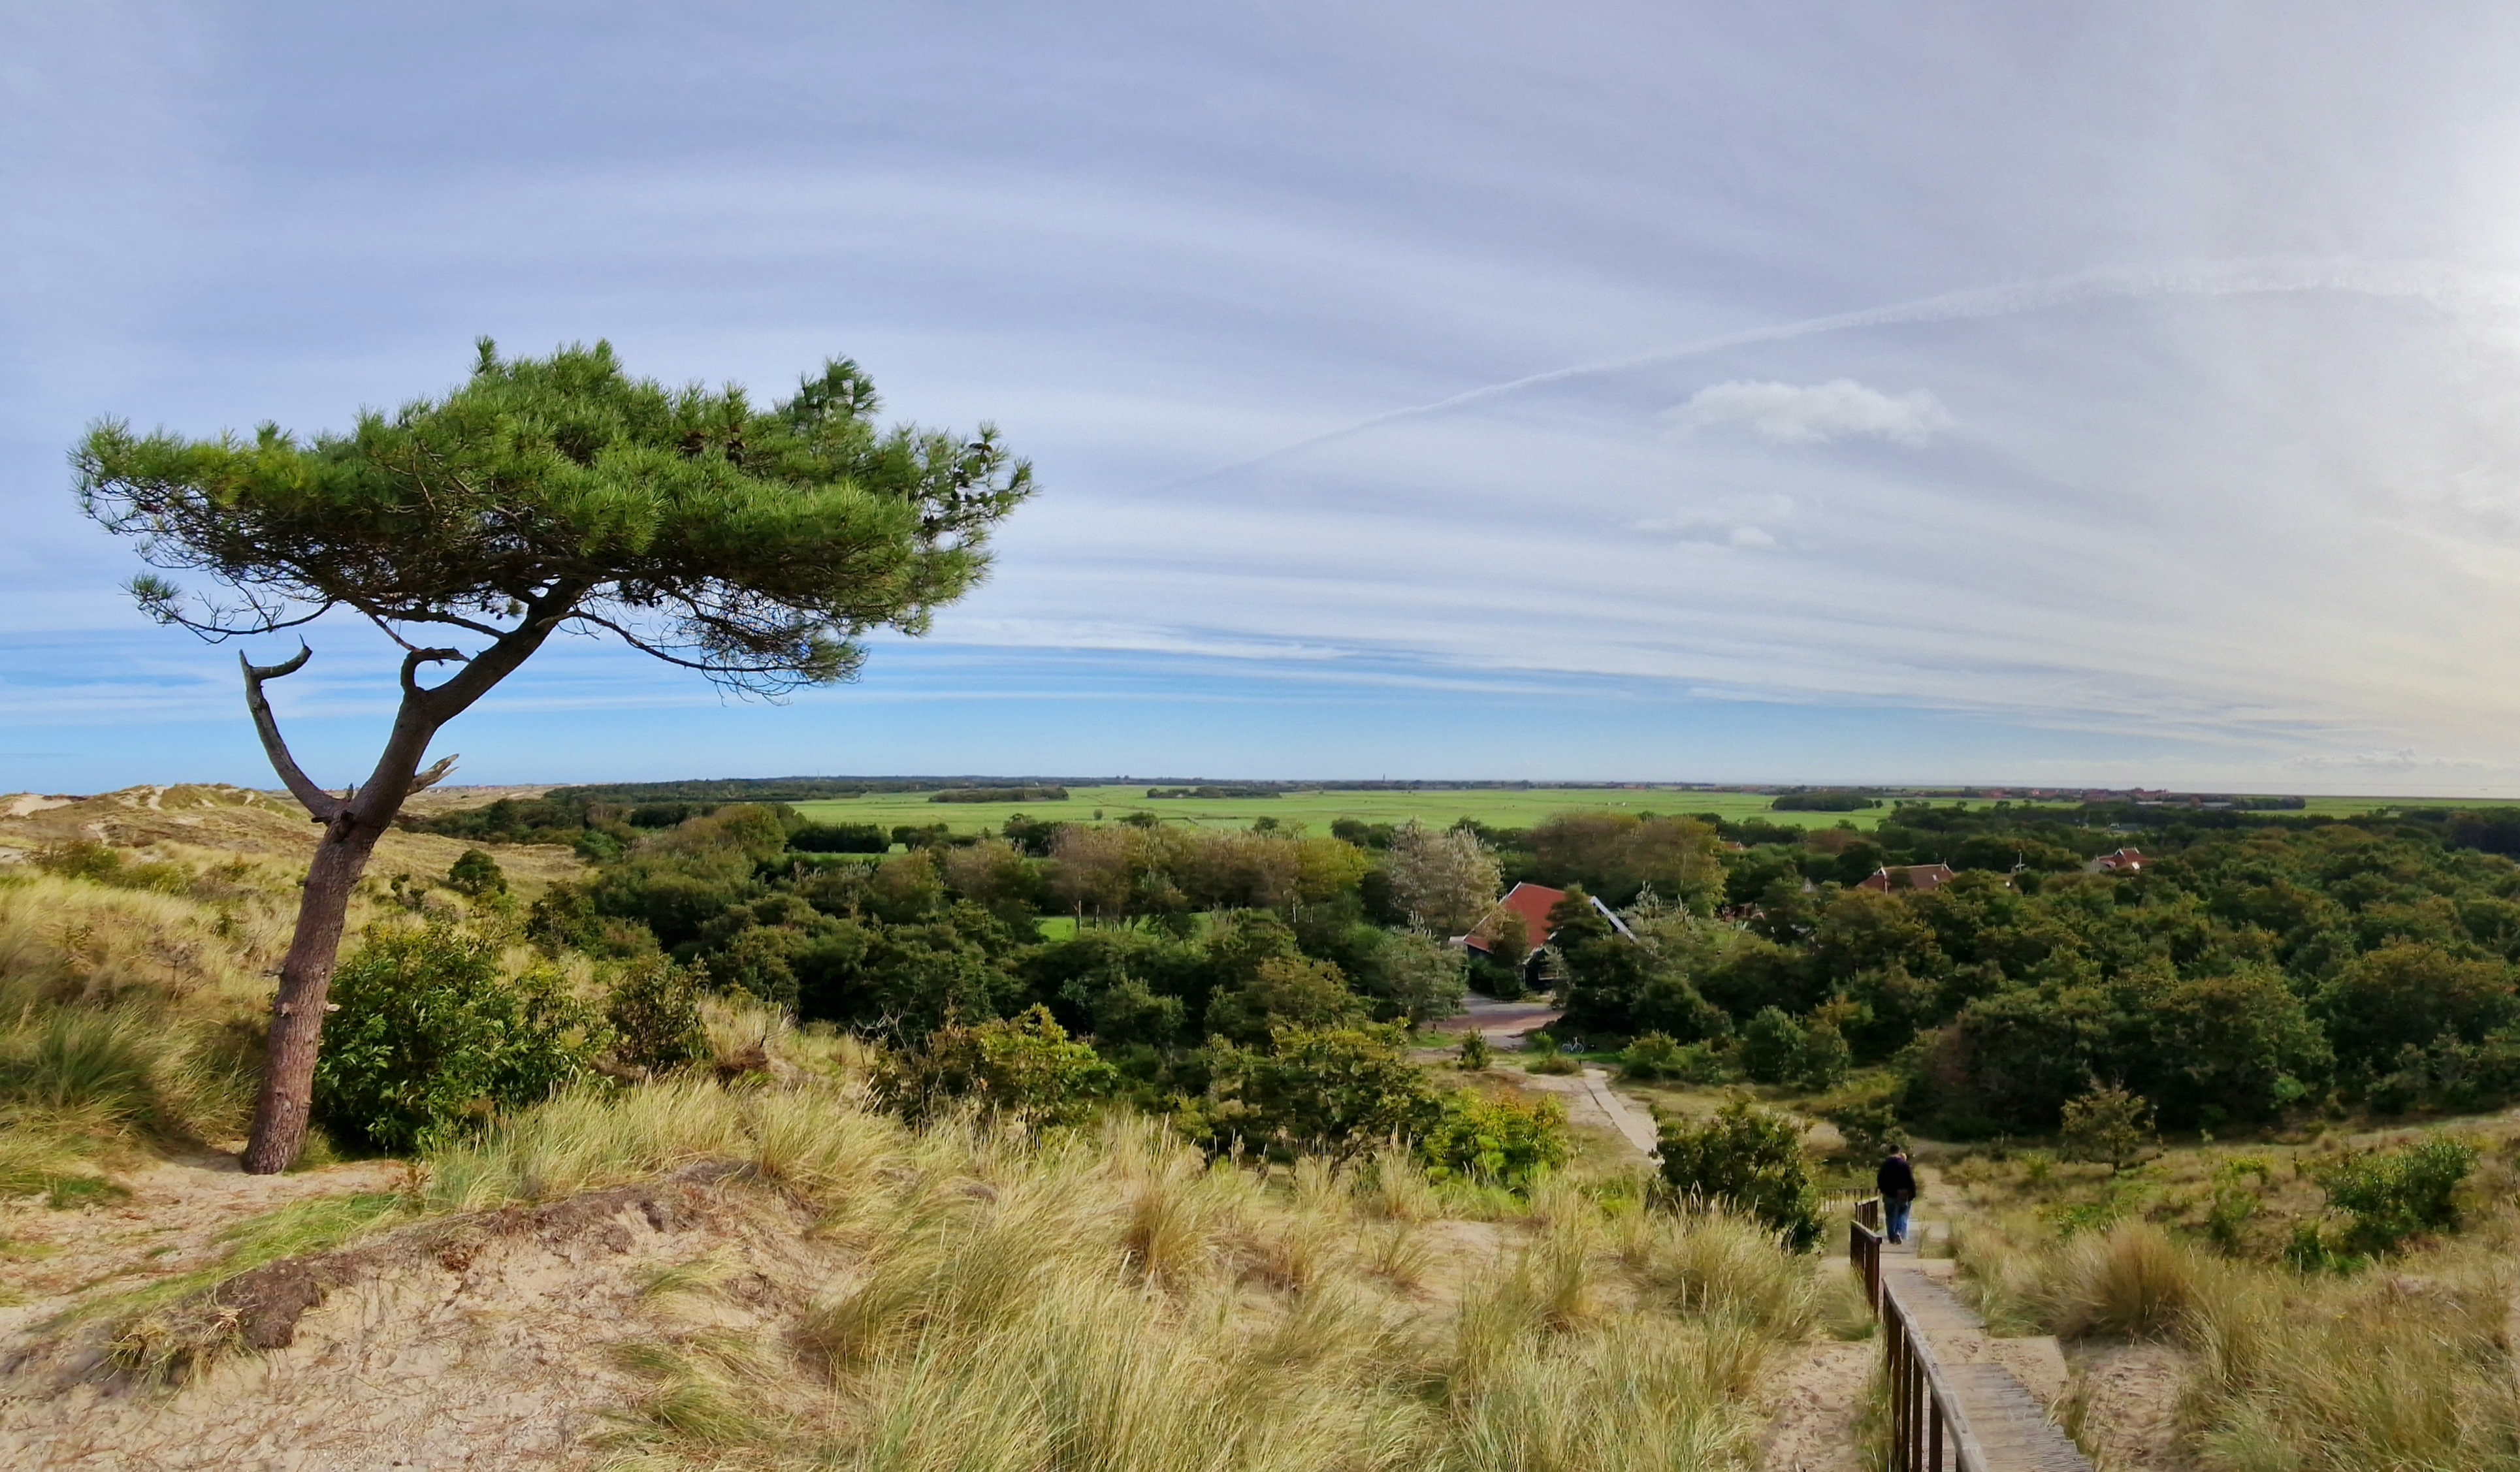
1504	808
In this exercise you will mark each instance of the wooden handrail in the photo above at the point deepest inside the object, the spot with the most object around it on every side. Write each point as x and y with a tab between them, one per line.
1925	1417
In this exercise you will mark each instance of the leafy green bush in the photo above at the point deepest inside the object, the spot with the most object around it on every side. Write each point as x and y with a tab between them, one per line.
1315	1090
1540	1054
841	838
1751	1160
431	1040
1502	1141
1772	1046
1651	1057
656	1015
2108	1125
1824	1056
476	873
1024	1066
1475	1053
1870	1124
2391	1195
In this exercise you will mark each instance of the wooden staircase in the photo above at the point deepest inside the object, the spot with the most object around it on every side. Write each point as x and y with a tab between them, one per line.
1960	1399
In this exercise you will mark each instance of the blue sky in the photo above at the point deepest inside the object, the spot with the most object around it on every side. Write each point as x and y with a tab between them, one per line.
1803	392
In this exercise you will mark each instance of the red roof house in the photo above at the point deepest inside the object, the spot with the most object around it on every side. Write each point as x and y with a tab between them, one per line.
2125	861
1925	876
1532	902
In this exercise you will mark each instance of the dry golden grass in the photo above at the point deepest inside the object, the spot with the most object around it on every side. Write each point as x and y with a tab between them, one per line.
1109	1299
2400	1364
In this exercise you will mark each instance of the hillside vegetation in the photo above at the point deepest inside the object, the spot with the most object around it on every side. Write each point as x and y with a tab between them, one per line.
708	1137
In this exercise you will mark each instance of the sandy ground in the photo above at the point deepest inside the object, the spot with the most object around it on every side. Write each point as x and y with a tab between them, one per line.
169	1224
1503	1023
2130	1396
1817	1403
1591	1102
484	1342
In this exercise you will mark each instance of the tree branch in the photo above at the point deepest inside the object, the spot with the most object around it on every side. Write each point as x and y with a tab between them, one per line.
435	773
322	806
412	662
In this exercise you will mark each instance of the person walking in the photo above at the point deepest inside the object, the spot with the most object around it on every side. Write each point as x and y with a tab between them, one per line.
1896	1180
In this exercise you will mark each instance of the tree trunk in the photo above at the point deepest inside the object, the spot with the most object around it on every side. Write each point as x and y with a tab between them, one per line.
279	1115
352	824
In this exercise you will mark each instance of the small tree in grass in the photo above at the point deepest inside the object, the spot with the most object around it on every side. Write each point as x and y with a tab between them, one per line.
2108	1125
476	876
752	546
1750	1160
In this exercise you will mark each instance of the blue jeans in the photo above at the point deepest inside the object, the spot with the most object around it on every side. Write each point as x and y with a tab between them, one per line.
1896	1207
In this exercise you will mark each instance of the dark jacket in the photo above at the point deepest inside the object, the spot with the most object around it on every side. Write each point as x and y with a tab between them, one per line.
1895	1181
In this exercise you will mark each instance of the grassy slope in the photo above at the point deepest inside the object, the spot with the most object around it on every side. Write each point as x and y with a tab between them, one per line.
1106	1300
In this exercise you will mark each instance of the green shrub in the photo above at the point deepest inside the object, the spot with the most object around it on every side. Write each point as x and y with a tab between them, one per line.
1475	1053
1023	1066
1824	1056
1501	1142
1751	1160
1868	1125
1772	1046
475	874
1315	1090
2235	1201
2391	1195
2108	1125
431	1040
1650	1058
1540	1054
656	1015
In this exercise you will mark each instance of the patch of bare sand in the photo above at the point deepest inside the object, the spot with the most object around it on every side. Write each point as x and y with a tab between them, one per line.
1814	1409
170	1224
2127	1395
477	1342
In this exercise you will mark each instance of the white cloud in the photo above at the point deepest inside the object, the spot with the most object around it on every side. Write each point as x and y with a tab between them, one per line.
1792	414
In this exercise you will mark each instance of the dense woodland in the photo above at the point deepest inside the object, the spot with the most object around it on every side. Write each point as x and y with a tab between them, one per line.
2259	967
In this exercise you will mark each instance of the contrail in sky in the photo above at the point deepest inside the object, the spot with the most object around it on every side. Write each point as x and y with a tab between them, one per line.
2448	287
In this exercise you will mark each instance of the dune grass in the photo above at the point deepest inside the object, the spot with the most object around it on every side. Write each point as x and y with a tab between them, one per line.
2399	1365
1107	1298
127	1018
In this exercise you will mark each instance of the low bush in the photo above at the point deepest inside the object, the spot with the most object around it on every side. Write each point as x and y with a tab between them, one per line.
1497	1141
841	838
2108	1126
1314	1090
654	1012
1772	1046
1870	1124
1750	1160
1023	1066
1540	1054
1475	1053
432	1039
475	874
1651	1057
2392	1195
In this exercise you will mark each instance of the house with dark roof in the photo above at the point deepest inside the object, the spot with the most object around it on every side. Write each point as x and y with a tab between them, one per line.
1925	876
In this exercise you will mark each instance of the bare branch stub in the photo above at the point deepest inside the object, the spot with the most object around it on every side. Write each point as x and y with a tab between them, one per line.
321	805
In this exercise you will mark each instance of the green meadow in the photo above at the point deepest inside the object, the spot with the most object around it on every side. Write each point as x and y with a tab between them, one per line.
1502	807
1494	807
